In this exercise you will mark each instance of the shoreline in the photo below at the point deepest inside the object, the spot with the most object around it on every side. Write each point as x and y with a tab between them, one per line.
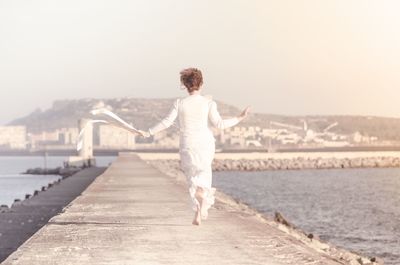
226	202
25	217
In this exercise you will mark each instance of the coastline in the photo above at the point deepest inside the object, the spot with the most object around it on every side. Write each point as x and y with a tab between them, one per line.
225	202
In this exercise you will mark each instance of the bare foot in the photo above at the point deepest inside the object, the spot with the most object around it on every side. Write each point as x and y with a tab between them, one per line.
200	208
200	194
197	217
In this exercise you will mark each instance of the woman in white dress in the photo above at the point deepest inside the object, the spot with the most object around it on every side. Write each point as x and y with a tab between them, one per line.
196	114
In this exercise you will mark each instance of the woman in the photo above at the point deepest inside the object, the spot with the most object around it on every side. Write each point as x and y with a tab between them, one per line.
197	143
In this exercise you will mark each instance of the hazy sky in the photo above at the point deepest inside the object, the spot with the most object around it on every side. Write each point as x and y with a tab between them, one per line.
286	57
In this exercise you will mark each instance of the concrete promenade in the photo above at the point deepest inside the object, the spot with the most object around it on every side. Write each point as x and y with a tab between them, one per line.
135	214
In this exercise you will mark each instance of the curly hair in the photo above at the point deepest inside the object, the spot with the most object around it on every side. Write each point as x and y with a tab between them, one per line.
192	79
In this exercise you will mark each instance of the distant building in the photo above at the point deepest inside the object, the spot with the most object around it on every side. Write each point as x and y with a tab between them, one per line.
292	138
43	138
237	137
358	138
13	137
68	136
253	143
115	137
59	137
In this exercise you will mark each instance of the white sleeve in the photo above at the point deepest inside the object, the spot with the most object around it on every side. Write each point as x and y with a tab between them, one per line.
216	119
167	121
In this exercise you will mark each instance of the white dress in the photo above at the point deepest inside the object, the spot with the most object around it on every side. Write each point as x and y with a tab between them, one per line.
196	115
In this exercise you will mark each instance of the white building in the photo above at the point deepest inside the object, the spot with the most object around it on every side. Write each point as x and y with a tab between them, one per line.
58	137
359	138
114	137
13	137
289	138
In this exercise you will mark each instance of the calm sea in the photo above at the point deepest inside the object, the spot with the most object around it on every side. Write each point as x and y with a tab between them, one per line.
14	185
357	209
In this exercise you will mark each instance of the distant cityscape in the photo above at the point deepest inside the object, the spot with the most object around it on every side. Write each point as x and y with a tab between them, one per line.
57	128
110	137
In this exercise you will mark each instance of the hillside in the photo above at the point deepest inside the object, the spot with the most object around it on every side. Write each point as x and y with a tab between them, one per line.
144	112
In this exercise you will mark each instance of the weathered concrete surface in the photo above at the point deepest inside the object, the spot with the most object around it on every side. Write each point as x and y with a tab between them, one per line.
21	221
134	214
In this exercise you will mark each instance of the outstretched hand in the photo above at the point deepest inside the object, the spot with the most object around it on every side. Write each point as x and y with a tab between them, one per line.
244	113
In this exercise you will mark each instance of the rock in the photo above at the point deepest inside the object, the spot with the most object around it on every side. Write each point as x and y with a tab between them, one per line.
355	162
53	171
296	163
4	208
280	219
16	202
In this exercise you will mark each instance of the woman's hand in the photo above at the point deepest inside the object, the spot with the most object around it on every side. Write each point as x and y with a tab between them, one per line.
144	133
244	113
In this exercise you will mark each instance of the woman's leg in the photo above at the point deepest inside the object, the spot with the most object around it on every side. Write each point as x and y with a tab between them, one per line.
197	217
199	196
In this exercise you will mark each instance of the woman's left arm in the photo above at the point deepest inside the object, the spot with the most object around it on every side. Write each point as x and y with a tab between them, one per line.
220	123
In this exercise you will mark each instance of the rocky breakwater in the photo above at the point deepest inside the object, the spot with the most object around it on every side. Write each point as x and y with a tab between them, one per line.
291	163
303	163
62	171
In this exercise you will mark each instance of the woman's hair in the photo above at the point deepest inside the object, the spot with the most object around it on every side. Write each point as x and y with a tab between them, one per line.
191	78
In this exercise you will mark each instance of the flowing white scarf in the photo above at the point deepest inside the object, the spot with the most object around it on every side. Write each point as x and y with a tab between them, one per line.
102	111
113	116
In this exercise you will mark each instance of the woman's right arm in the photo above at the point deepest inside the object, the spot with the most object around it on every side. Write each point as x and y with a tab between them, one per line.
164	123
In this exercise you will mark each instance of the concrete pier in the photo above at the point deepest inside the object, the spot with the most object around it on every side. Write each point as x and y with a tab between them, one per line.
135	214
25	218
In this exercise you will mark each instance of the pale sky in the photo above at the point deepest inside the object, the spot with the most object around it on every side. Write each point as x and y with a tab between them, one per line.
286	57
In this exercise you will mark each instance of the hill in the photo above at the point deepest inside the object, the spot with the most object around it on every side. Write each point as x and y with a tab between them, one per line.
144	112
